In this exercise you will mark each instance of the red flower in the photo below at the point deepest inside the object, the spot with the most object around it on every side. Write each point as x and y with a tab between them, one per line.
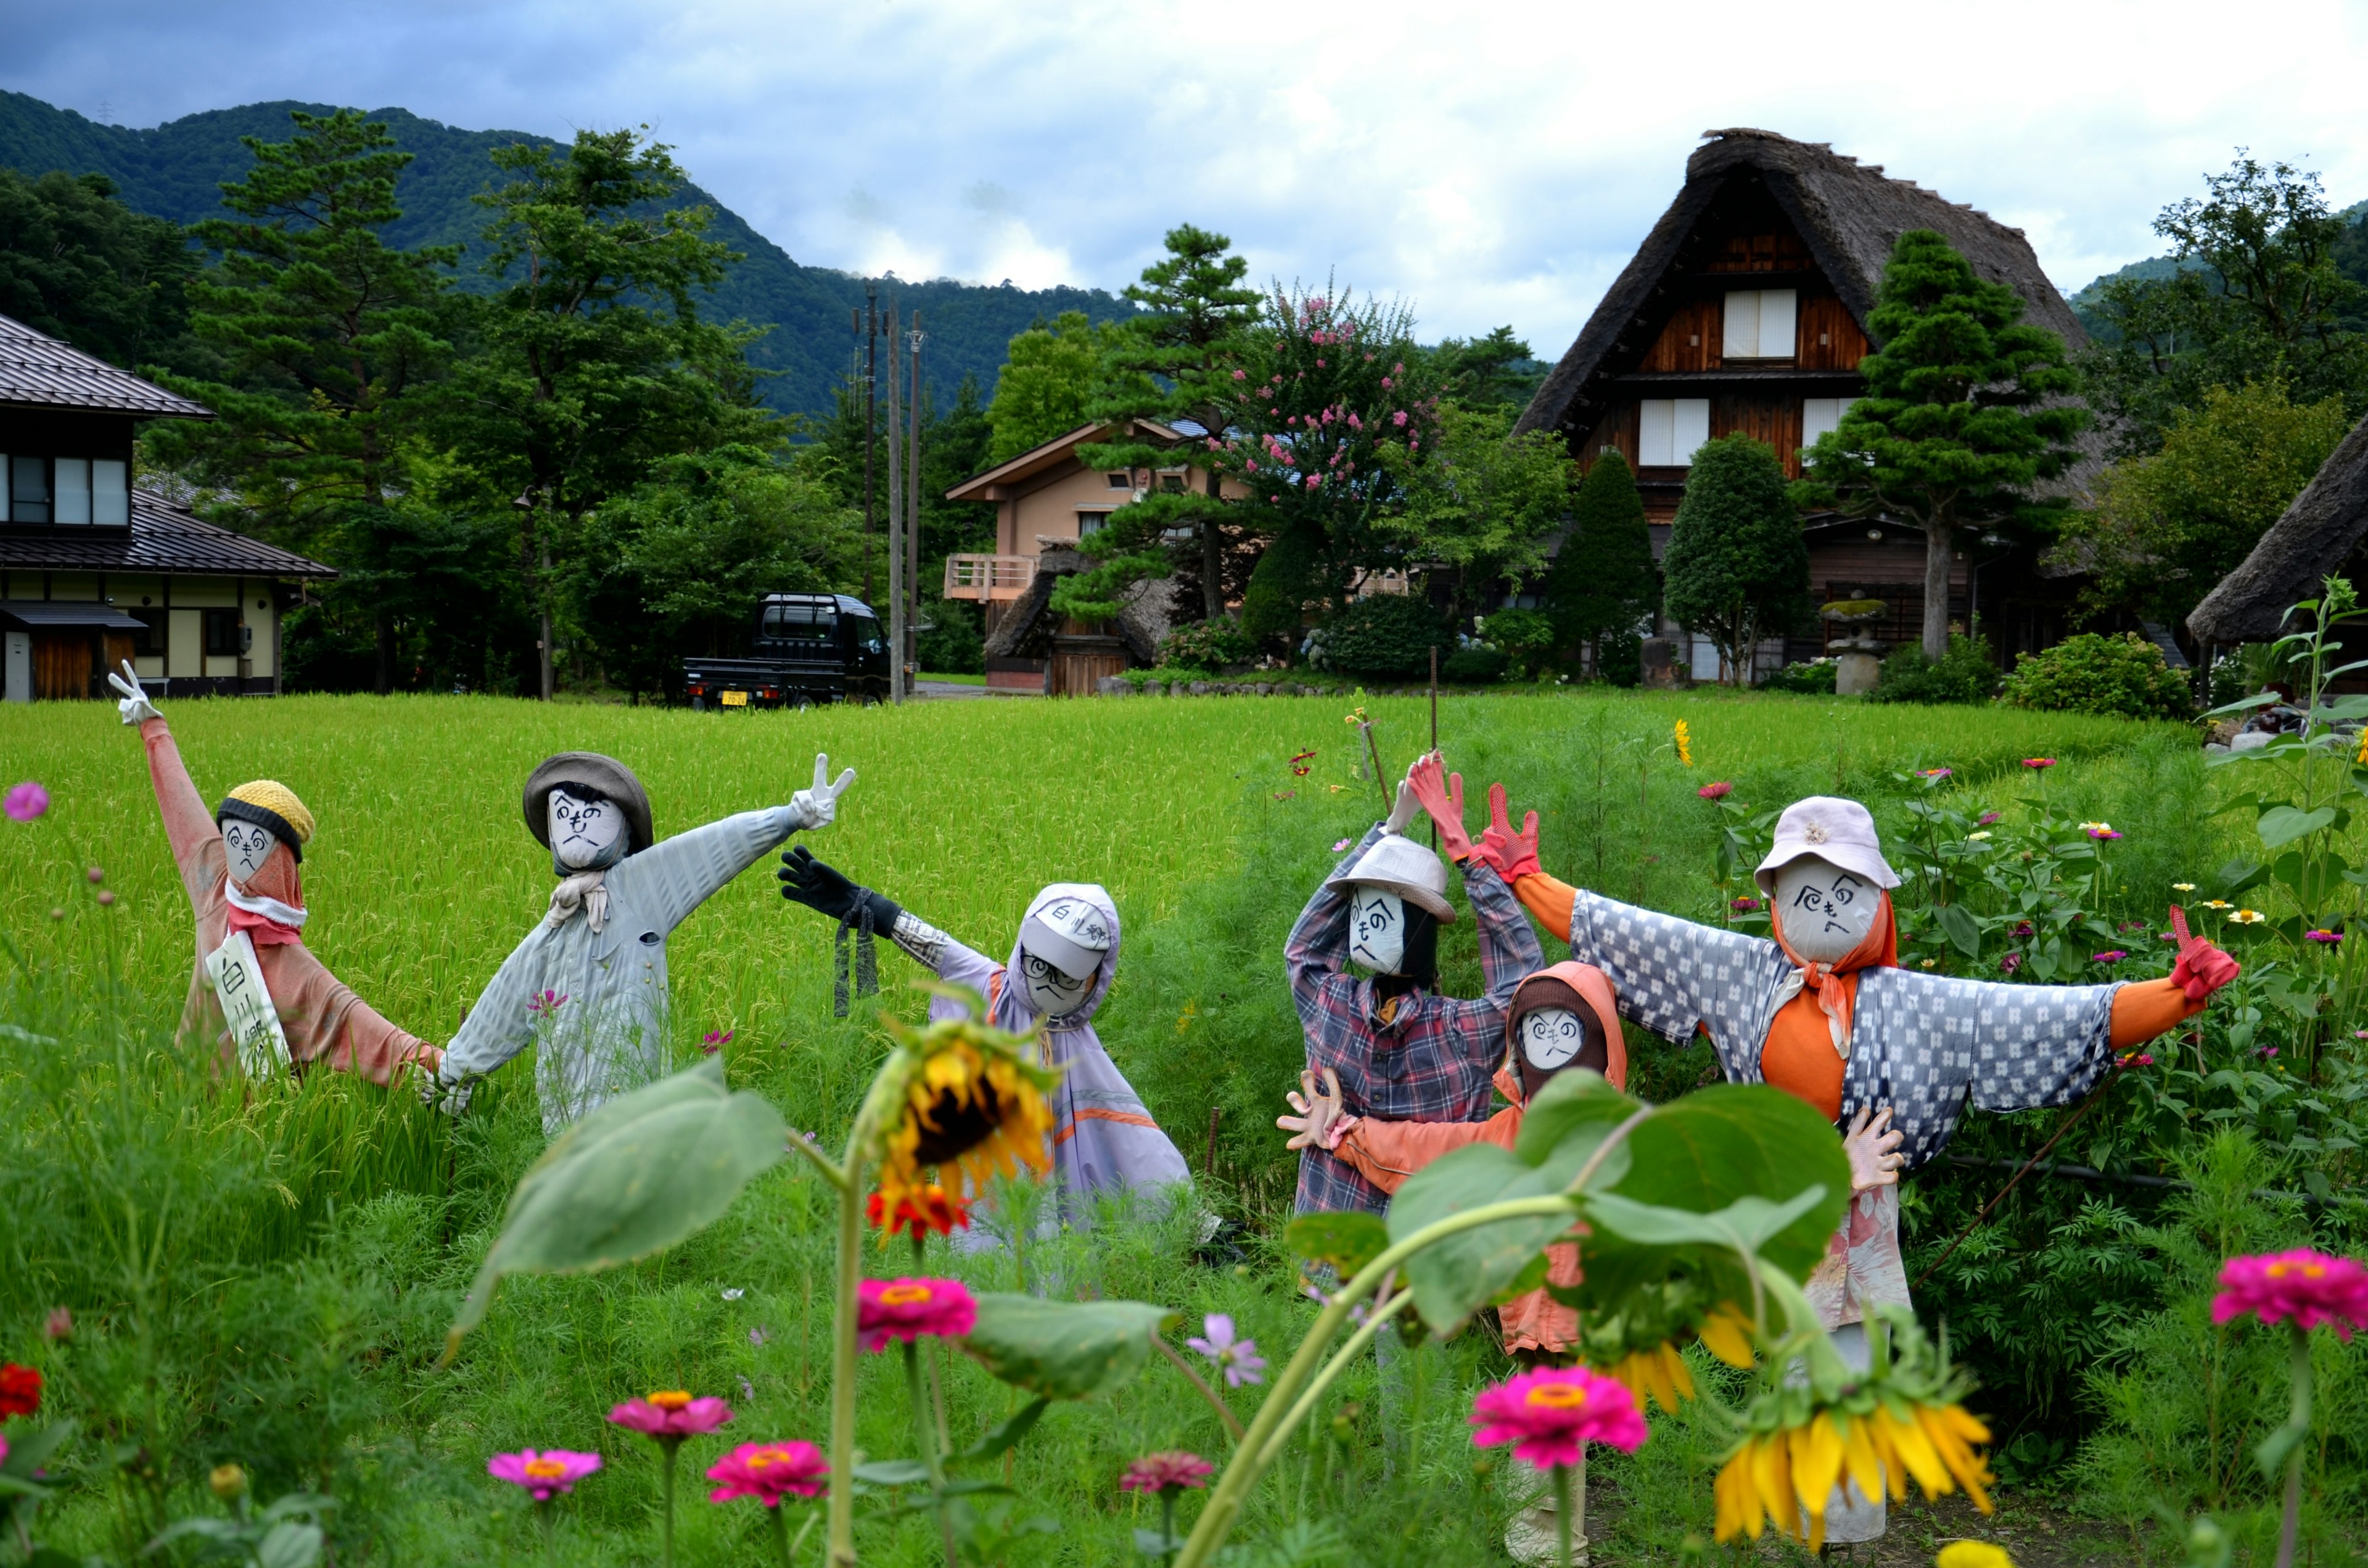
768	1472
928	1209
2036	762
2311	1287
20	1390
1174	1471
907	1308
1718	792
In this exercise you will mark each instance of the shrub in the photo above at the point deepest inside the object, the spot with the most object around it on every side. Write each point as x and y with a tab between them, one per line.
1526	636
1812	677
1476	665
1963	675
954	645
1206	645
2092	674
1388	636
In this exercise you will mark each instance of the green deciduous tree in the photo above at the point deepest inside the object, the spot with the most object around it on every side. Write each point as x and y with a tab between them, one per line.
79	265
2165	527
1966	411
1497	370
1046	385
1737	570
1603	581
2262	294
1481	504
593	362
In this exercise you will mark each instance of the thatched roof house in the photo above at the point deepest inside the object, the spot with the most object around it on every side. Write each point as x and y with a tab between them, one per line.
1744	310
2318	537
1063	657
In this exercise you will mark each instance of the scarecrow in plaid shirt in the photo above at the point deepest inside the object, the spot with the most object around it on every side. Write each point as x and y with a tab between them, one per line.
1398	1050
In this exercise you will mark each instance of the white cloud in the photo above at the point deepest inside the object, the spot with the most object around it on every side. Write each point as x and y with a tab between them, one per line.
1492	165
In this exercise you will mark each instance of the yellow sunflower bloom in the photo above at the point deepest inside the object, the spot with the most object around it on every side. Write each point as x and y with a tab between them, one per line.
959	1093
1973	1554
1659	1371
1685	739
1726	1334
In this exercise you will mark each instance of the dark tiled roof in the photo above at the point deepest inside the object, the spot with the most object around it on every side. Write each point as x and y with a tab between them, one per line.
37	371
162	538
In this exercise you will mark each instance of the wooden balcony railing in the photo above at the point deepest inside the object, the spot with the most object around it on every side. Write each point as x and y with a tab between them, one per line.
988	578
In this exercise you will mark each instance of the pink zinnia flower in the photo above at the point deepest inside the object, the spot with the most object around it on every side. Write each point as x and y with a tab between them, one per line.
907	1308
2039	762
2113	955
544	1473
26	802
1934	772
1718	792
768	1472
1174	1471
1986	819
1744	906
672	1413
1552	1413
2329	937
1238	1358
2009	963
2311	1287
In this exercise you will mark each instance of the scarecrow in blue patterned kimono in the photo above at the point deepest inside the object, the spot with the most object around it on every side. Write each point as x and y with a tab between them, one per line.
1063	961
1822	1011
587	986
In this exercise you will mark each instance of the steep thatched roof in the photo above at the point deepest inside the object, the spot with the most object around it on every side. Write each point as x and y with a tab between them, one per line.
1028	626
1848	214
2314	539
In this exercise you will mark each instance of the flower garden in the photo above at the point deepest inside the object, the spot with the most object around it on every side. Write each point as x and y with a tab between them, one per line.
749	1315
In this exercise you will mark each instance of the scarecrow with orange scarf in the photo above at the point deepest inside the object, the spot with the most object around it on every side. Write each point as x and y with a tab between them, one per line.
1893	1056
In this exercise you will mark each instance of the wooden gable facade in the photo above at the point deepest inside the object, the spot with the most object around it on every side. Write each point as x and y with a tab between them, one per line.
1744	310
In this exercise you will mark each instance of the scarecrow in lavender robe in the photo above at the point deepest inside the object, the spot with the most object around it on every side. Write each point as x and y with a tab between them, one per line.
1063	961
1822	1011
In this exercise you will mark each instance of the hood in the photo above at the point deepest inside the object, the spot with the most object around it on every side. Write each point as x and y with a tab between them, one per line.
1010	1013
1551	987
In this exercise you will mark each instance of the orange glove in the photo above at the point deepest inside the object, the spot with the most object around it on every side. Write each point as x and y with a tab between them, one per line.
2201	968
1513	853
1444	801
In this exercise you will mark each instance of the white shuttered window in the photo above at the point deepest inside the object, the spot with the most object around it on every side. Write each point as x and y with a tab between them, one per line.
1669	430
1761	323
1819	414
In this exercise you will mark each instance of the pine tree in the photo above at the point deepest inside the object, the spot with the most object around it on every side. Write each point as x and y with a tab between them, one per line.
1966	411
1737	570
1603	581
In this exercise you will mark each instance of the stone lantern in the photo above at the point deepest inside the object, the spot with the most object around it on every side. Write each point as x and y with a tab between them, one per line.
1858	653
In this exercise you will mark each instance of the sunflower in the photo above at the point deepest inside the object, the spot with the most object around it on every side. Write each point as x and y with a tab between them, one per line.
1658	1370
1726	1334
957	1094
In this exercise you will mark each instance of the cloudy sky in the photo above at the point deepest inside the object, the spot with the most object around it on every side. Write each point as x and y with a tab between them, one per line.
1490	164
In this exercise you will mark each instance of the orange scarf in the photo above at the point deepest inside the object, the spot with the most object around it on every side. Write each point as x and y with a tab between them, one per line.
1836	986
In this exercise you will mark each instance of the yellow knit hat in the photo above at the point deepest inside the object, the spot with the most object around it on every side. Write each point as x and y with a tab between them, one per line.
271	805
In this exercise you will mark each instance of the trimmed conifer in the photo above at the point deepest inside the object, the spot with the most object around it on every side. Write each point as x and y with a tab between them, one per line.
1736	568
1602	582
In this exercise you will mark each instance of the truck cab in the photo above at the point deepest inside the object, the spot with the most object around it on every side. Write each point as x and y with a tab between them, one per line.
804	648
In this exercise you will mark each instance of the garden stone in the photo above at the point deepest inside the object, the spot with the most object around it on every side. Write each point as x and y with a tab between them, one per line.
1112	685
1200	689
2250	740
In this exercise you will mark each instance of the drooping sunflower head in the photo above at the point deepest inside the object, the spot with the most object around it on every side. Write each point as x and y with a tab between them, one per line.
959	1095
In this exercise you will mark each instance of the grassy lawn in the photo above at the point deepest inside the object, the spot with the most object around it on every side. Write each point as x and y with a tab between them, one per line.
290	1265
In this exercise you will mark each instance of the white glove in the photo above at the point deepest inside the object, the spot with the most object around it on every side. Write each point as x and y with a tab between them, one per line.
818	807
1874	1151
1408	807
135	706
1320	1122
451	1099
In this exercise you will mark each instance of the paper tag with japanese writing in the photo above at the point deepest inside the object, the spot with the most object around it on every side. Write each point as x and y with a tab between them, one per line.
246	1007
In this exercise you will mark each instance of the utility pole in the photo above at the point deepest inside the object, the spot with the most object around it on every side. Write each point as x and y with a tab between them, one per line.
870	419
895	514
913	504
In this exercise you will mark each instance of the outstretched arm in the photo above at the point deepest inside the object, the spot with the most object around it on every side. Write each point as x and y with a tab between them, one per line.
189	827
680	874
830	891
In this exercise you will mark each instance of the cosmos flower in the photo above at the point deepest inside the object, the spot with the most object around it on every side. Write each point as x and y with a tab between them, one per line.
907	1308
1550	1415
547	1004
2309	1288
28	802
714	1040
768	1472
543	1473
1237	1358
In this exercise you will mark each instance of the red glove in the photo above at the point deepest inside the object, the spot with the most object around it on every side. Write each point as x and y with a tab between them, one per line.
2201	968
1444	802
1513	853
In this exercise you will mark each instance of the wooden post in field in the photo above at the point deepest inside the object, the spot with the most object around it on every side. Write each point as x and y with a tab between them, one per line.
871	420
1208	1166
895	512
1434	727
909	662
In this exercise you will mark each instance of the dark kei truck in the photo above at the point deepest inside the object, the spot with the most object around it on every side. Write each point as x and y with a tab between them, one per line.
808	648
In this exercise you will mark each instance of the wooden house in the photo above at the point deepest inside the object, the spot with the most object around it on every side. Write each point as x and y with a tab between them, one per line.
2323	534
1745	310
95	570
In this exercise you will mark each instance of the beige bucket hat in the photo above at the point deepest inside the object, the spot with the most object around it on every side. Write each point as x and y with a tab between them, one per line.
1832	829
1405	868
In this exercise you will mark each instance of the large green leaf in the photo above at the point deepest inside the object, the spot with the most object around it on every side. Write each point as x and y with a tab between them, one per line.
1347	1239
633	1178
1064	1349
1965	933
1744	1225
1453	1277
2283	825
1573	1100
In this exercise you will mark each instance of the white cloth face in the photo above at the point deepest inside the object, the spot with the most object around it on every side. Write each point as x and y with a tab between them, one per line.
1825	910
1051	990
1551	1037
583	828
249	845
1377	930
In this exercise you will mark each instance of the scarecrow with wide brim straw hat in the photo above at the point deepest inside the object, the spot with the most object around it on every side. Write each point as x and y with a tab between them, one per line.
587	985
1823	1011
257	989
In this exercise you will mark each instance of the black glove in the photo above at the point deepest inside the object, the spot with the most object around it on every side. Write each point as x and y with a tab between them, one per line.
826	891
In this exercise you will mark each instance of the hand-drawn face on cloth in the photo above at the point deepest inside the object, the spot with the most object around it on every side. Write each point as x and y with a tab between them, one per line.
587	832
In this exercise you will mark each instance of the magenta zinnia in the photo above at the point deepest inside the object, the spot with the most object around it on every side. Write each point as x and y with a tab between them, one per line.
2311	1287
1717	791
1550	1415
543	1473
672	1413
1162	1473
768	1472
907	1308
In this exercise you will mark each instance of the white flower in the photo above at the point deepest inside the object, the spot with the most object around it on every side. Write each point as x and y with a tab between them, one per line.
732	1292
1981	837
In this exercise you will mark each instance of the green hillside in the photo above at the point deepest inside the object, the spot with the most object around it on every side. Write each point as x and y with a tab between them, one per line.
174	171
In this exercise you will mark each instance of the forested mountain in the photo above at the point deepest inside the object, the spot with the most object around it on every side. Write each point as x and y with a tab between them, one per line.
174	171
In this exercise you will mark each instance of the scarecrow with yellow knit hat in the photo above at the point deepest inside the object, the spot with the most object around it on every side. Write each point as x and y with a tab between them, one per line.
258	991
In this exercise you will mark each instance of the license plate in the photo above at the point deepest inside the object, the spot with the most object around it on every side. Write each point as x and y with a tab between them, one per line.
736	699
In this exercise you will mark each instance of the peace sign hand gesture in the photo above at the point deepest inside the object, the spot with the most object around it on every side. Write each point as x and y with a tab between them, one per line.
135	706
818	807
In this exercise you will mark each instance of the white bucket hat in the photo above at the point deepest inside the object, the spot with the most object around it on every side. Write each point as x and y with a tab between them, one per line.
1833	830
1068	933
1404	867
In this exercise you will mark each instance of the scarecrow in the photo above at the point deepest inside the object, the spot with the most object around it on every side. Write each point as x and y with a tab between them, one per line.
589	982
257	988
1822	1011
1397	1049
1061	967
